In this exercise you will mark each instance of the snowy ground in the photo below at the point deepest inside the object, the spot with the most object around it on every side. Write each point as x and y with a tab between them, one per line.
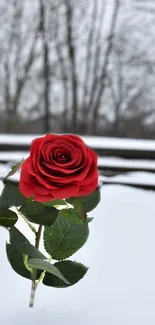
137	178
119	288
92	141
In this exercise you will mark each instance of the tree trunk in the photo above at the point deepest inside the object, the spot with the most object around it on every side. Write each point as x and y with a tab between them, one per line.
71	51
103	77
46	66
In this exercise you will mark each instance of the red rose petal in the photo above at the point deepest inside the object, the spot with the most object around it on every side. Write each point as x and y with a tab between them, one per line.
25	189
66	191
42	198
34	146
59	166
88	189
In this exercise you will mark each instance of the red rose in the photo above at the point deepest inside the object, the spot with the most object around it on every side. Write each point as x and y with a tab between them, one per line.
59	166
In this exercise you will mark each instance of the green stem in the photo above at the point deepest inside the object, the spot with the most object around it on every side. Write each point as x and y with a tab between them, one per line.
38	236
34	273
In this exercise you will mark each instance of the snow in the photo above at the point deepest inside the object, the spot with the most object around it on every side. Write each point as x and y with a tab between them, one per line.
135	178
120	143
16	139
119	287
126	163
13	155
95	142
102	161
110	162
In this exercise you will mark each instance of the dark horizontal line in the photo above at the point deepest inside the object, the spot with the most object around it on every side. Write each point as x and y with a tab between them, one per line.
148	187
102	152
116	169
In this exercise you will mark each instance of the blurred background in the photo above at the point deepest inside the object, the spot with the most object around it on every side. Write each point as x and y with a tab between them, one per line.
85	67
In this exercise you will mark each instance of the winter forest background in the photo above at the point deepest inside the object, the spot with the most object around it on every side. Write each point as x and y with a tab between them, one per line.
85	66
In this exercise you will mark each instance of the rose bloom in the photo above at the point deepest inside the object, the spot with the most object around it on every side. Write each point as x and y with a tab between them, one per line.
59	167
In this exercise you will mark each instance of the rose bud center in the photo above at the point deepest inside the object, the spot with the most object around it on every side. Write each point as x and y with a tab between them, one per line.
60	156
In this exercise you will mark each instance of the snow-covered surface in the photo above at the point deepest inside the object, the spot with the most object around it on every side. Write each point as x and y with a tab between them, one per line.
16	139
95	142
102	161
126	163
143	178
139	178
13	155
119	288
4	169
116	143
133	178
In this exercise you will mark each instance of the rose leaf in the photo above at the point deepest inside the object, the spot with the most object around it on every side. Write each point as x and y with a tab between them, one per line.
15	254
7	218
38	213
16	237
67	235
11	196
72	271
89	202
54	203
17	248
14	168
40	264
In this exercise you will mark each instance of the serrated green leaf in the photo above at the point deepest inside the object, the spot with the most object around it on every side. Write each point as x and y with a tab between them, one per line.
11	196
14	168
46	266
18	246
89	202
38	213
79	209
15	257
54	203
72	271
16	237
7	218
67	235
30	250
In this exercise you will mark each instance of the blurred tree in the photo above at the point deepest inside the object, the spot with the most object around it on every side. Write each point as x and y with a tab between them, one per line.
46	64
83	38
16	57
130	78
82	67
130	83
99	82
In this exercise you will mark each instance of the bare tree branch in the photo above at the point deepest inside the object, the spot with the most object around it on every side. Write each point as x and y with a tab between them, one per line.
7	86
72	53
62	65
95	104
46	64
89	48
97	55
21	81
